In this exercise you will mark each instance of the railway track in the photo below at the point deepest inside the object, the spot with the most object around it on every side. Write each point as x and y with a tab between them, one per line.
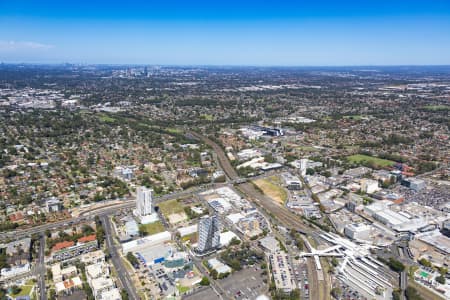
289	220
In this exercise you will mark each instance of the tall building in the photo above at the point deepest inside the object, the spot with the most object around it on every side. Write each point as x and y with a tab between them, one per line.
144	201
303	166
208	234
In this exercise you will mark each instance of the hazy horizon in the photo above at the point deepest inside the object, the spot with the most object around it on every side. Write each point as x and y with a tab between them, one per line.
250	33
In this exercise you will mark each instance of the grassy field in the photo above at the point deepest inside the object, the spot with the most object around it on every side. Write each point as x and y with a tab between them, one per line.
152	228
272	188
173	130
207	117
105	118
437	107
25	290
170	207
192	238
359	158
182	289
354	117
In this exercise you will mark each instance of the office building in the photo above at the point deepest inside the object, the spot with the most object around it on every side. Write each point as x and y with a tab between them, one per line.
208	234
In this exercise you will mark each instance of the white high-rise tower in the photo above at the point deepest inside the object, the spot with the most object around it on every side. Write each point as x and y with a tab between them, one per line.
144	204
143	201
303	166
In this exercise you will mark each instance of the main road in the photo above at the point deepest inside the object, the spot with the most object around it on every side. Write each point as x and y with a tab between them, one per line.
40	268
122	273
105	210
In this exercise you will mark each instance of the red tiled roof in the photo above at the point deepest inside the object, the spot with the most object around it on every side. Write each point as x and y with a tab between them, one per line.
68	283
88	238
62	245
16	216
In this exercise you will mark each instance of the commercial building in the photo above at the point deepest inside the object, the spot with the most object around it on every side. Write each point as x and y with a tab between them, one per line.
208	234
112	294
369	186
269	243
68	250
436	239
226	238
184	231
446	228
357	231
414	184
217	265
399	221
100	286
93	257
292	182
142	243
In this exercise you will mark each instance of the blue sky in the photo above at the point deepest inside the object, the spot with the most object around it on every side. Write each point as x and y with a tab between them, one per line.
295	33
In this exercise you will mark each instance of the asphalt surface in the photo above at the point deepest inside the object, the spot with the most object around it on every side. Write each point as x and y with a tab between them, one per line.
122	273
40	269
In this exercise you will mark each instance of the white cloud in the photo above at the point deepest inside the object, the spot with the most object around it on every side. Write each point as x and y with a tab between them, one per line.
22	45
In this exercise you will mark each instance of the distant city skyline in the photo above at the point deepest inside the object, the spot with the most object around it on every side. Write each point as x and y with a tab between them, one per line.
292	33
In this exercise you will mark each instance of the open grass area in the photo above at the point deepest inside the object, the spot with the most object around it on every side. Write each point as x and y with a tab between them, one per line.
437	107
173	130
192	238
272	188
152	228
361	158
25	290
170	207
354	117
182	289
106	118
207	117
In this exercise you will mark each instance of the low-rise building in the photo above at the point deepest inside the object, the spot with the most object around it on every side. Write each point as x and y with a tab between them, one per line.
93	257
101	285
220	267
68	249
68	285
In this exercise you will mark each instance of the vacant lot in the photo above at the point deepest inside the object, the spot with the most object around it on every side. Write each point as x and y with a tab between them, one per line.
152	228
272	188
170	207
361	158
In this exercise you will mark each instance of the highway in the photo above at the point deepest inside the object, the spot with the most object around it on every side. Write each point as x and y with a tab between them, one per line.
101	211
122	273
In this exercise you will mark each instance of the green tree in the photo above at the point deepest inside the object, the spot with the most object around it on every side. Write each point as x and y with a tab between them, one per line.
204	281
